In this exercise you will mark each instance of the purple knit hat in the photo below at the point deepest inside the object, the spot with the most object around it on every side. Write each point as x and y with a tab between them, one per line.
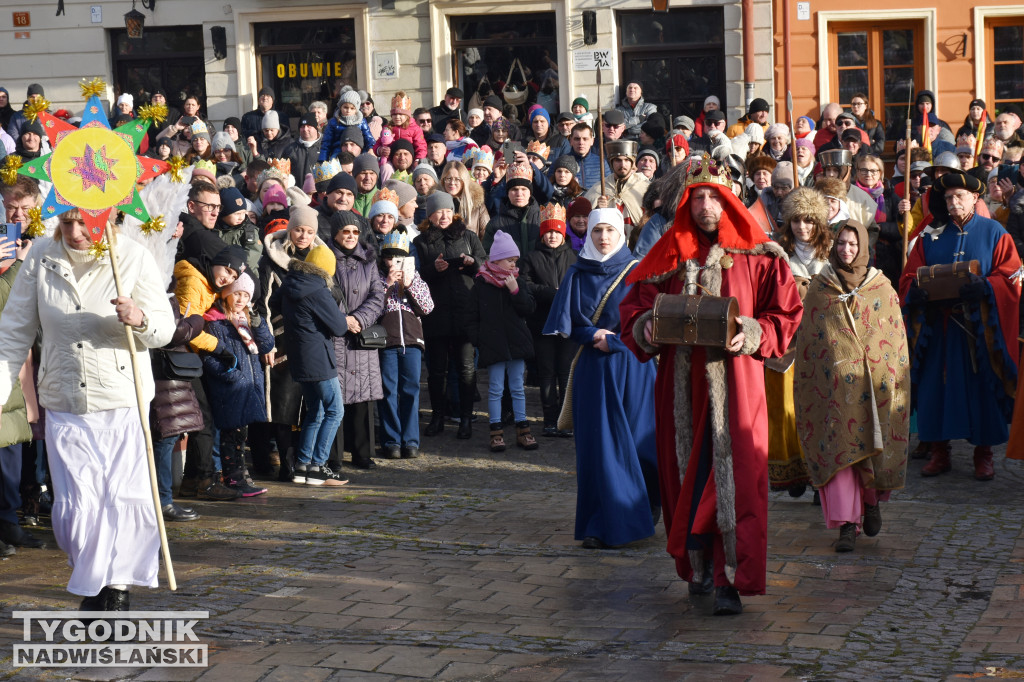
503	247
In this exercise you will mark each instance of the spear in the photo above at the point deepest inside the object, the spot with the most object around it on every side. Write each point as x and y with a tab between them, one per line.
600	130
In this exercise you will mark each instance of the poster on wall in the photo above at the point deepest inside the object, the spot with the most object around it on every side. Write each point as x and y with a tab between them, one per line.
385	65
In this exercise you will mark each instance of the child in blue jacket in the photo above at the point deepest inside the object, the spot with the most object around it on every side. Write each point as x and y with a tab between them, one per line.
347	114
235	377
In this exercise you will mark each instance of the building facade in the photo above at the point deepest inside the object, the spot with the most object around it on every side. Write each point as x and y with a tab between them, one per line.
224	52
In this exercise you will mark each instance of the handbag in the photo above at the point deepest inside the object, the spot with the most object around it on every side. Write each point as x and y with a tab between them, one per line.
178	365
374	337
565	415
513	96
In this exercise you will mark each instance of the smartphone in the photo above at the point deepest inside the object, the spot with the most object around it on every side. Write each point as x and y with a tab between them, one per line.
1007	171
10	232
509	149
454	262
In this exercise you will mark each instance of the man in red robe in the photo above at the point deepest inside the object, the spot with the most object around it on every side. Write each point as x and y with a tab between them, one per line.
711	422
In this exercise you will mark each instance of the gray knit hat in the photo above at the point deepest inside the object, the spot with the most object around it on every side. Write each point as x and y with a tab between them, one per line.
438	201
424	169
567	162
223	141
351	97
365	162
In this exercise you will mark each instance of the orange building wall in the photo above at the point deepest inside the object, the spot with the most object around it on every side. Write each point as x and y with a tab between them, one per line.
954	73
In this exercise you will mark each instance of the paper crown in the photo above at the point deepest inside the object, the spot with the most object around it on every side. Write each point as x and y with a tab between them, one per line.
325	170
520	171
395	241
386	194
704	170
199	127
203	165
402	104
538	148
485	159
271	174
283	165
552	212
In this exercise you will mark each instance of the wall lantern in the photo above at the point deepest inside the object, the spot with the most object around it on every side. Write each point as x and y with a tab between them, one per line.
135	21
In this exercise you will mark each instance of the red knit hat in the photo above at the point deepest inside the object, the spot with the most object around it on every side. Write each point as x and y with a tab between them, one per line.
552	218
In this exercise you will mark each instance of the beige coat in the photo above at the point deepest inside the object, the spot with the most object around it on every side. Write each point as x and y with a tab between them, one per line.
85	365
630	192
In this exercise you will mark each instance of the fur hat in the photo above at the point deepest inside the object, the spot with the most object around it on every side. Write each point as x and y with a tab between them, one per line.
243	283
322	257
804	202
776	130
831	187
759	163
304	216
503	247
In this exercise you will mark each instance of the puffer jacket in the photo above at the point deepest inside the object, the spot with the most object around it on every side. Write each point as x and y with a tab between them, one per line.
414	134
542	272
235	390
330	143
14	427
449	289
522	223
635	116
273	149
496	323
195	297
246	235
303	157
85	365
362	298
174	409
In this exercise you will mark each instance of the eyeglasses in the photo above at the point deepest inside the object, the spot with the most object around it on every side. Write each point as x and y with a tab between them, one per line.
423	120
347	232
209	208
988	157
844	122
869	171
858	104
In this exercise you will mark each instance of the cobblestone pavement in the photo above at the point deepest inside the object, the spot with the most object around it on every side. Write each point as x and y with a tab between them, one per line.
461	565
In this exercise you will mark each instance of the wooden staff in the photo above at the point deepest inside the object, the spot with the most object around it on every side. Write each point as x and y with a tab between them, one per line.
143	417
792	139
600	130
906	193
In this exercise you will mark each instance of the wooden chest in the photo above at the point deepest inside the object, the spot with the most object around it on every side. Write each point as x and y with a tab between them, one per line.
943	282
686	320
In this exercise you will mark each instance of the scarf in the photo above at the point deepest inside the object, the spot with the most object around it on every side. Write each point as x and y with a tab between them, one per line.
492	274
353	120
803	251
851	276
877	193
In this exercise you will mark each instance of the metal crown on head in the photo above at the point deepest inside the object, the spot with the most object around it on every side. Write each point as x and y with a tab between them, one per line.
704	170
552	212
520	171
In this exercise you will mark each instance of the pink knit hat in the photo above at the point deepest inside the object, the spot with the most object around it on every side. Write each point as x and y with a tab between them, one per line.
243	283
275	195
503	247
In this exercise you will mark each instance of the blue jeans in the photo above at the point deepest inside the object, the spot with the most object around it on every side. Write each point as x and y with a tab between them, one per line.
324	410
516	370
163	457
400	407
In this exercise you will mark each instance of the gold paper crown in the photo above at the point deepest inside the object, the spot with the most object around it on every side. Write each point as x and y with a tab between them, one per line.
283	165
539	149
520	171
704	171
387	194
552	212
208	166
326	170
199	127
401	103
483	158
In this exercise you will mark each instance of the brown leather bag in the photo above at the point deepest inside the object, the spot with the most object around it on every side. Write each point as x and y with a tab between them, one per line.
943	282
686	320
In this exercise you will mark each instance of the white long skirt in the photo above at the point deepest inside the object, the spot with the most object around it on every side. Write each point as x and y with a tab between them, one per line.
103	513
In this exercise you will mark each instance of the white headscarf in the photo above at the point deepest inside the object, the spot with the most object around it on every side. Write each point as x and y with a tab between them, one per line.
608	216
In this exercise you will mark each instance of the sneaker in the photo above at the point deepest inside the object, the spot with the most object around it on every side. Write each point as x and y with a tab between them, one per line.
299	473
332	478
213	489
244	488
315	475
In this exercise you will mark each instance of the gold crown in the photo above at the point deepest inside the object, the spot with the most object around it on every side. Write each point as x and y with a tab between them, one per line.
552	212
283	165
520	171
399	103
539	149
325	170
387	194
704	170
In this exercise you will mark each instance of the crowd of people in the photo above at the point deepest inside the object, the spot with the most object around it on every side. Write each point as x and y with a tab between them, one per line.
307	278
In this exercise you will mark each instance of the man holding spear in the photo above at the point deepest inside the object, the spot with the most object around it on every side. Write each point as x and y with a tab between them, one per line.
93	307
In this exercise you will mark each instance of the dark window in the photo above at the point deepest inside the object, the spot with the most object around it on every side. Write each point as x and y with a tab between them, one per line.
1007	62
678	57
170	58
305	61
484	48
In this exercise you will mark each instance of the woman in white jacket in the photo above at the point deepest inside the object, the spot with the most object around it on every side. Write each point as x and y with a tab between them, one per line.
103	512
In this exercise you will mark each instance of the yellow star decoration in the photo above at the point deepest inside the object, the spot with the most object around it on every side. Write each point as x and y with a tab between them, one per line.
176	164
9	172
152	225
33	109
157	113
35	223
94	87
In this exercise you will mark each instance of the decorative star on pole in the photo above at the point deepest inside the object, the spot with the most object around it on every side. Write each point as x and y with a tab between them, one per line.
83	162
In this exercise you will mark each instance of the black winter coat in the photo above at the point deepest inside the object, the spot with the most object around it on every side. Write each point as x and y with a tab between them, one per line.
520	223
542	272
311	321
303	159
236	390
274	149
496	323
449	289
174	409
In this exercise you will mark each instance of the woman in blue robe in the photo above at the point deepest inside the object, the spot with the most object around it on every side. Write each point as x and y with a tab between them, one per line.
617	498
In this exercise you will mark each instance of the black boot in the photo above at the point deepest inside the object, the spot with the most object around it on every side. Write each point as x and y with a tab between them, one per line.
466	411
436	425
94	603
465	428
727	601
115	600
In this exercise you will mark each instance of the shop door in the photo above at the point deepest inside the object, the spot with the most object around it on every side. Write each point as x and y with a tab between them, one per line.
678	57
167	58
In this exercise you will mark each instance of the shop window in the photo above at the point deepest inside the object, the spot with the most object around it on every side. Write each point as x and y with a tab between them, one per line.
1005	61
484	48
170	58
677	56
885	62
305	61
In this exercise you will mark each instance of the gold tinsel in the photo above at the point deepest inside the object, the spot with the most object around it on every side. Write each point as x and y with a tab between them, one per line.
99	249
94	87
176	163
35	223
33	109
9	172
152	225
156	113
